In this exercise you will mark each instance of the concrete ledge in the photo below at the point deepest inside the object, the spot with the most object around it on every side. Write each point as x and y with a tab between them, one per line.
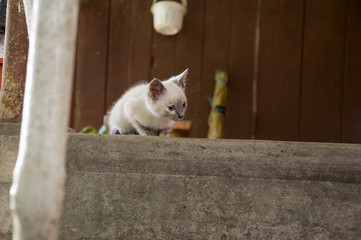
132	187
203	157
10	128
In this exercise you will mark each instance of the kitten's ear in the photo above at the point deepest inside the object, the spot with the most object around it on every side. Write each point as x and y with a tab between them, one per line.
156	89
181	79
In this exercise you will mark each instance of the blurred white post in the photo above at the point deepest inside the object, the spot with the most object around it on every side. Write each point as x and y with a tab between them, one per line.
37	192
28	6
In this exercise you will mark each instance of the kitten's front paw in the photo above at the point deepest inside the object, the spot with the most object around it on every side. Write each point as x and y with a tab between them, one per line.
114	131
165	134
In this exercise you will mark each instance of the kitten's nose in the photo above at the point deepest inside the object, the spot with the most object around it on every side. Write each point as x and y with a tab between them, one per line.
180	116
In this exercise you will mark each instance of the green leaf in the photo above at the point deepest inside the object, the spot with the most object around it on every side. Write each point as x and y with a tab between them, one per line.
89	129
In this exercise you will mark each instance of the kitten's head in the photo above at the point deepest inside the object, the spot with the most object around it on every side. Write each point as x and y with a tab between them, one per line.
167	98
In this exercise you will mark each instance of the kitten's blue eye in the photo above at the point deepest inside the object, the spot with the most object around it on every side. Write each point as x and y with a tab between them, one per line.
171	108
184	104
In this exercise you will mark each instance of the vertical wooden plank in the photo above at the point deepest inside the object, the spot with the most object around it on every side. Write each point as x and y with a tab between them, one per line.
190	55
279	69
352	84
164	52
164	55
129	46
140	41
241	69
90	72
216	52
118	50
323	70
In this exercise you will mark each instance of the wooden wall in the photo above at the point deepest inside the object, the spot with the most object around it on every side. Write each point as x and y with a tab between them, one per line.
308	67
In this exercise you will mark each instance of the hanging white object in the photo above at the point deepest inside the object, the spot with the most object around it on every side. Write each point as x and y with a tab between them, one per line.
168	16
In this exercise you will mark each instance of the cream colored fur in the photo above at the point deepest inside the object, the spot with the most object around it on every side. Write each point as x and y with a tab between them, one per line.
139	112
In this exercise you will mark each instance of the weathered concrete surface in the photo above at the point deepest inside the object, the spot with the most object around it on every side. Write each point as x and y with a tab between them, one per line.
131	187
14	129
234	158
146	206
10	128
8	153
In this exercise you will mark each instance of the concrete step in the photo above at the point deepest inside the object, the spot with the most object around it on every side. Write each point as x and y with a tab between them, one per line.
133	187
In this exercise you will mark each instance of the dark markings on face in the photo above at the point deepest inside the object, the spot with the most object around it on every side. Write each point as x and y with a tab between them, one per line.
179	109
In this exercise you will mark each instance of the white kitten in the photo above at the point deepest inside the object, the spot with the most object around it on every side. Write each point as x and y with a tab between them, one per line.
150	109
